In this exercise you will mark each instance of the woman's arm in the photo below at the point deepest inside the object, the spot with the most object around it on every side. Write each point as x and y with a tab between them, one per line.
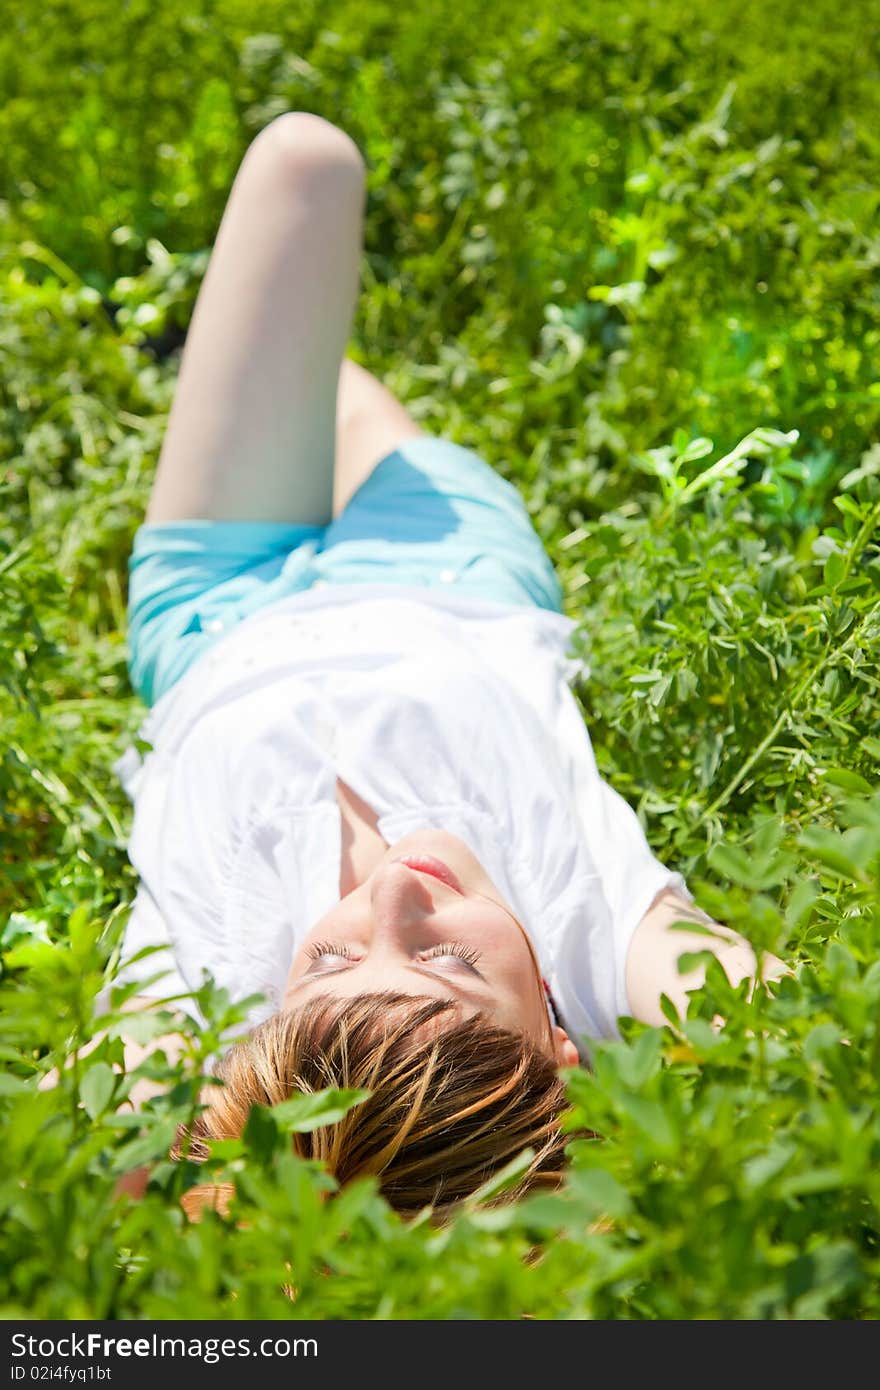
133	1183
172	1044
652	961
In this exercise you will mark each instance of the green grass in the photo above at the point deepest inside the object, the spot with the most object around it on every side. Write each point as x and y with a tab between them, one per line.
594	236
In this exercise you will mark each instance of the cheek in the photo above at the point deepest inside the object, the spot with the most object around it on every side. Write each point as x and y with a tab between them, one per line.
502	941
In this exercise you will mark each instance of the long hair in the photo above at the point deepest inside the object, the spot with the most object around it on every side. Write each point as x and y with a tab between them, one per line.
451	1100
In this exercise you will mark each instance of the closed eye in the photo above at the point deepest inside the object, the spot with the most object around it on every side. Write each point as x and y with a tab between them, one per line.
453	948
336	955
329	952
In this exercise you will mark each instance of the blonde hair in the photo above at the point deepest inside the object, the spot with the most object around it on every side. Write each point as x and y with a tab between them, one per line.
451	1100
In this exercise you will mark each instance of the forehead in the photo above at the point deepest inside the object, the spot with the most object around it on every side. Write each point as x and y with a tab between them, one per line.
393	1012
464	994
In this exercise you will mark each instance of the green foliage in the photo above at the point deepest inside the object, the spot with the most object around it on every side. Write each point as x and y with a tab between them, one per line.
629	254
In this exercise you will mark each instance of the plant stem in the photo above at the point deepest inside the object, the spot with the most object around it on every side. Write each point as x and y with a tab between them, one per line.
806	684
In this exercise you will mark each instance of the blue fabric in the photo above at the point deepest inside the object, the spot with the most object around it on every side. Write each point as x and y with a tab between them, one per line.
431	514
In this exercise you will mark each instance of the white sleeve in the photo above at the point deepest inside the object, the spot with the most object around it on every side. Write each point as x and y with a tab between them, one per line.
630	873
228	830
182	844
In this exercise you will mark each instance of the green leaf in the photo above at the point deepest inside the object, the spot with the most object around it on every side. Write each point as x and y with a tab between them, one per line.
143	1025
834	569
845	854
639	182
20	926
689	960
148	1147
733	863
96	1088
765	1167
641	1060
663	256
653	1121
630	292
824	1037
824	1274
302	1114
82	931
261	1134
601	1193
226	1149
696	449
660	691
12	1085
670	1012
800	904
505	1178
850	781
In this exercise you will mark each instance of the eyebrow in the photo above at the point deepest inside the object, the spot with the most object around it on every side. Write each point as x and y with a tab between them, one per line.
346	969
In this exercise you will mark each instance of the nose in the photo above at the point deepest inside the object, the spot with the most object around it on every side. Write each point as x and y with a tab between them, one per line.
400	899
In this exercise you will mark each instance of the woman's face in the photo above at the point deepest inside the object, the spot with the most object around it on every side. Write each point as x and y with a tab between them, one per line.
429	921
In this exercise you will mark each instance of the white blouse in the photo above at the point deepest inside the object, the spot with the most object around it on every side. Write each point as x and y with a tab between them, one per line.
440	711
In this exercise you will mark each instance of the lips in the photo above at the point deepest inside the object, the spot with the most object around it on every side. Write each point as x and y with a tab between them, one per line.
427	864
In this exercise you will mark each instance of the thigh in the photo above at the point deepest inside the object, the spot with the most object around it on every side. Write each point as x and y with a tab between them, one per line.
251	432
370	423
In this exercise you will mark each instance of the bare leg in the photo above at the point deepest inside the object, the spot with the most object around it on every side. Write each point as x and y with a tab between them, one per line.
251	433
370	423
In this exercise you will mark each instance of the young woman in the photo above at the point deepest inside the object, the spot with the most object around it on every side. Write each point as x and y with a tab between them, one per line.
370	796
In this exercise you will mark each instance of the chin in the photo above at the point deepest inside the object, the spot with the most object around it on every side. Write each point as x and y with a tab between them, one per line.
431	839
444	846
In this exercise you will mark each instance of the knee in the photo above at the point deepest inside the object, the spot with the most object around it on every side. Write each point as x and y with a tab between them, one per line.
306	145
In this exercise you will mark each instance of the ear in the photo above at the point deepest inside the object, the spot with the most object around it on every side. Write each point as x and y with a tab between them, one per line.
564	1050
217	1195
133	1183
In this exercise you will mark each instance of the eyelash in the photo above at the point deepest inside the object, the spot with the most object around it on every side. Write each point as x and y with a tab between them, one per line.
327	948
446	948
454	948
